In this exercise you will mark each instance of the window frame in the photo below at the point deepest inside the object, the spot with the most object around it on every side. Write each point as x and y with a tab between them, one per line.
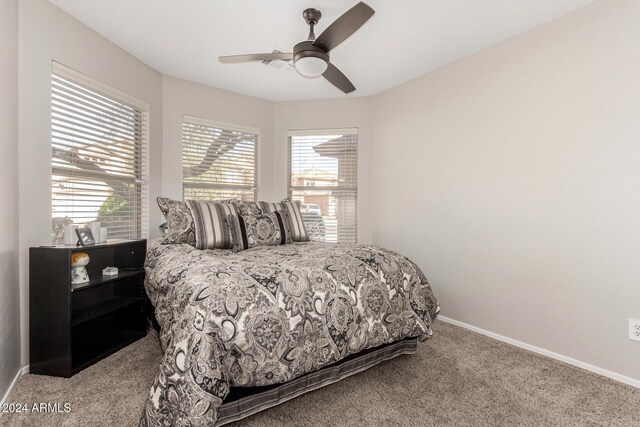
320	132
225	127
142	170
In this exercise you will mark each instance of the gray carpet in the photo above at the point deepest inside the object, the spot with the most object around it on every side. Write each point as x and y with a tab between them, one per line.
457	378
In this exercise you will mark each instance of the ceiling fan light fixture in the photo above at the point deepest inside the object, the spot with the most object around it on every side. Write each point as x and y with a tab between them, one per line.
309	60
311	66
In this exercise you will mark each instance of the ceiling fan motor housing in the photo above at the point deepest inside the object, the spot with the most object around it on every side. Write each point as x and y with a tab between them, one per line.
306	48
309	60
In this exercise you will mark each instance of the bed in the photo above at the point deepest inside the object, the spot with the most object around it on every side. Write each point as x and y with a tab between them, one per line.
244	331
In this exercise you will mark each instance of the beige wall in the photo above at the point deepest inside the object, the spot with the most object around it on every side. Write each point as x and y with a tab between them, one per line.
45	34
515	173
9	288
326	114
180	97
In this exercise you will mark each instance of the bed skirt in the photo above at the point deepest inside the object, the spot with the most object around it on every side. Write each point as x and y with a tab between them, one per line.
243	402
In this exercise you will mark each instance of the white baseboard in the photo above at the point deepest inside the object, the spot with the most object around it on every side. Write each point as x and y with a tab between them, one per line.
19	374
613	375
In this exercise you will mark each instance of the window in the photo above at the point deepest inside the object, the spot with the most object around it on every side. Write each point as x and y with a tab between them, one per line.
323	176
99	145
218	161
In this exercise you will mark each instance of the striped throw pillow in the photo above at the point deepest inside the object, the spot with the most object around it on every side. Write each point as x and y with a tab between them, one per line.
250	231
292	207
210	225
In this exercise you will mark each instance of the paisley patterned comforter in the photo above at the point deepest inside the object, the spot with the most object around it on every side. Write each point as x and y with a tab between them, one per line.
270	314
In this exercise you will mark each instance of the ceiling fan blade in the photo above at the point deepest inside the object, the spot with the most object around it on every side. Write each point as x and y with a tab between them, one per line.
255	57
343	27
338	79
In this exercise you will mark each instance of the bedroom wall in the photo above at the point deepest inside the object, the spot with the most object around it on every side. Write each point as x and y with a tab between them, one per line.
327	114
45	34
180	97
515	173
9	287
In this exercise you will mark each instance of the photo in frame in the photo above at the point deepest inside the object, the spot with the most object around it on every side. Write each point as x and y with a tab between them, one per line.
85	237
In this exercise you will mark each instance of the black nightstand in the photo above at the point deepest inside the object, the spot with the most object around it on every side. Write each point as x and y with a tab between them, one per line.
73	327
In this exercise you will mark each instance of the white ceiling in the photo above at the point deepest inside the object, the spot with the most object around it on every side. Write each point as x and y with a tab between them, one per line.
403	40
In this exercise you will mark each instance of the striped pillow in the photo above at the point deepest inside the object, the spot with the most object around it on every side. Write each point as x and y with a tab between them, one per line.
250	231
292	207
209	223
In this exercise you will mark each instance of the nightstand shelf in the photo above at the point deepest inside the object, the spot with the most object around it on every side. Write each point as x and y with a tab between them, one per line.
102	308
97	347
74	326
101	280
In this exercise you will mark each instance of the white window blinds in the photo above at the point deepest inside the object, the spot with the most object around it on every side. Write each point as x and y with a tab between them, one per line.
218	161
99	158
323	176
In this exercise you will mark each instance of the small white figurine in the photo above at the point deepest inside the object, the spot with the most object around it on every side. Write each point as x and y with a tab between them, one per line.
78	272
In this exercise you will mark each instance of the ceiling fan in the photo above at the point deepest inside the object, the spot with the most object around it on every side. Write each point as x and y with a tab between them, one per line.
311	57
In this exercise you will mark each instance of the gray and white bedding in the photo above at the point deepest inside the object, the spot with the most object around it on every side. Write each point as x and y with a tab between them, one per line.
271	314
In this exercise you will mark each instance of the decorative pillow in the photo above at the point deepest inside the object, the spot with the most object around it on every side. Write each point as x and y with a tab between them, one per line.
292	207
211	231
179	225
250	231
247	208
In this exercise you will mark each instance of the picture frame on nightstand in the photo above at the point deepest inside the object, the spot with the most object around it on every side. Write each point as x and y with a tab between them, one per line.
85	236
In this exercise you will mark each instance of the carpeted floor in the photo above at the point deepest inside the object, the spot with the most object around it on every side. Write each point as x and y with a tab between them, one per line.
457	378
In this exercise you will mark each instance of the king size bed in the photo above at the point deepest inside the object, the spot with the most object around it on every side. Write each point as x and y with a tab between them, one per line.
243	331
